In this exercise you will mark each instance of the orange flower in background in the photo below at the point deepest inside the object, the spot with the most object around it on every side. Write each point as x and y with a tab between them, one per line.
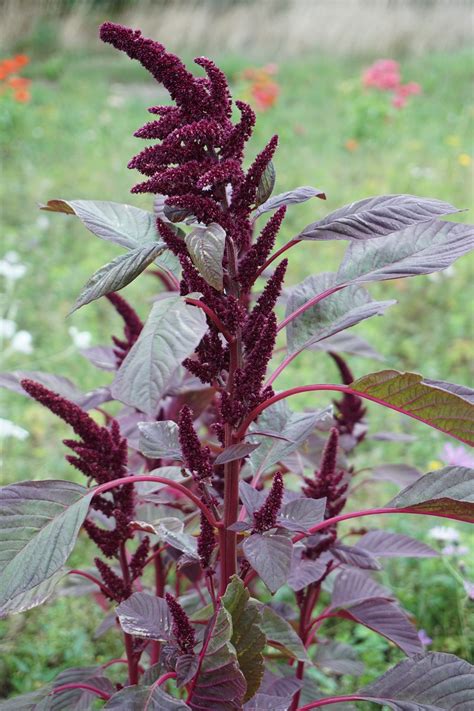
351	145
264	90
19	85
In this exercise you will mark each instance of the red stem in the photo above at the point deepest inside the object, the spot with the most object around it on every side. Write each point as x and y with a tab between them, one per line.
112	662
103	587
165	677
128	639
212	315
159	480
87	687
274	256
160	580
312	302
330	700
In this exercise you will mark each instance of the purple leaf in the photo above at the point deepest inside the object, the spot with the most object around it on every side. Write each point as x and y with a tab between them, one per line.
266	184
344	342
384	544
186	668
448	491
144	698
400	474
280	634
385	618
304	571
460	390
292	197
41	517
392	437
58	384
33	597
102	357
418	249
79	699
302	513
408	394
269	554
352	587
220	684
160	440
235	451
252	499
145	615
425	682
206	247
375	217
355	556
335	313
338	657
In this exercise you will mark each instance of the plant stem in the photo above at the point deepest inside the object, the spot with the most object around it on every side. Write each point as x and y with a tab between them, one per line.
159	480
164	678
330	700
103	587
128	639
312	302
212	315
274	256
159	591
87	687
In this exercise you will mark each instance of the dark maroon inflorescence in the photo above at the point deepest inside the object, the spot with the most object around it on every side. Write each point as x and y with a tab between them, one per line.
350	410
131	329
265	517
206	542
197	458
182	628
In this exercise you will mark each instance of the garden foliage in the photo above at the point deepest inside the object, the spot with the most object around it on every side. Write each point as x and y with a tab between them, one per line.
205	493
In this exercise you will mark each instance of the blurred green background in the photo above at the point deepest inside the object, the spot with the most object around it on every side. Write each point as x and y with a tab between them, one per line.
73	139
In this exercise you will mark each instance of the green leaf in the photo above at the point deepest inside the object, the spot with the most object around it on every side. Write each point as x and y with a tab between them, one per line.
431	682
448	491
118	273
333	314
266	184
419	249
280	634
33	597
39	524
206	247
248	639
125	225
171	333
409	394
376	216
219	685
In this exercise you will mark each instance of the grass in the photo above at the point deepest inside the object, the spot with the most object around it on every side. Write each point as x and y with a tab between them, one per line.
73	141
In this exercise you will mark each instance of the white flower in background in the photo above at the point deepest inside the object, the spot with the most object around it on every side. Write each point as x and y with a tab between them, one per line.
443	274
11	267
444	533
7	328
9	429
22	342
42	223
453	549
81	339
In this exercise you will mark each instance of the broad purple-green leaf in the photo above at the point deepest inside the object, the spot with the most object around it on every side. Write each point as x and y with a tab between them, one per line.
375	217
206	246
235	451
347	342
355	556
448	491
58	384
220	685
269	554
291	197
102	357
352	587
39	524
33	597
388	620
186	668
160	440
294	429
338	657
400	474
145	490
34	701
337	312
145	615
280	634
115	275
125	225
252	498
304	571
78	699
171	333
419	249
248	638
409	394
301	514
144	698
384	544
431	682
266	184
171	530
461	391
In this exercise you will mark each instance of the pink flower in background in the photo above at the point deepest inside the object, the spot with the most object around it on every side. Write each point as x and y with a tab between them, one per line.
384	74
457	456
424	638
